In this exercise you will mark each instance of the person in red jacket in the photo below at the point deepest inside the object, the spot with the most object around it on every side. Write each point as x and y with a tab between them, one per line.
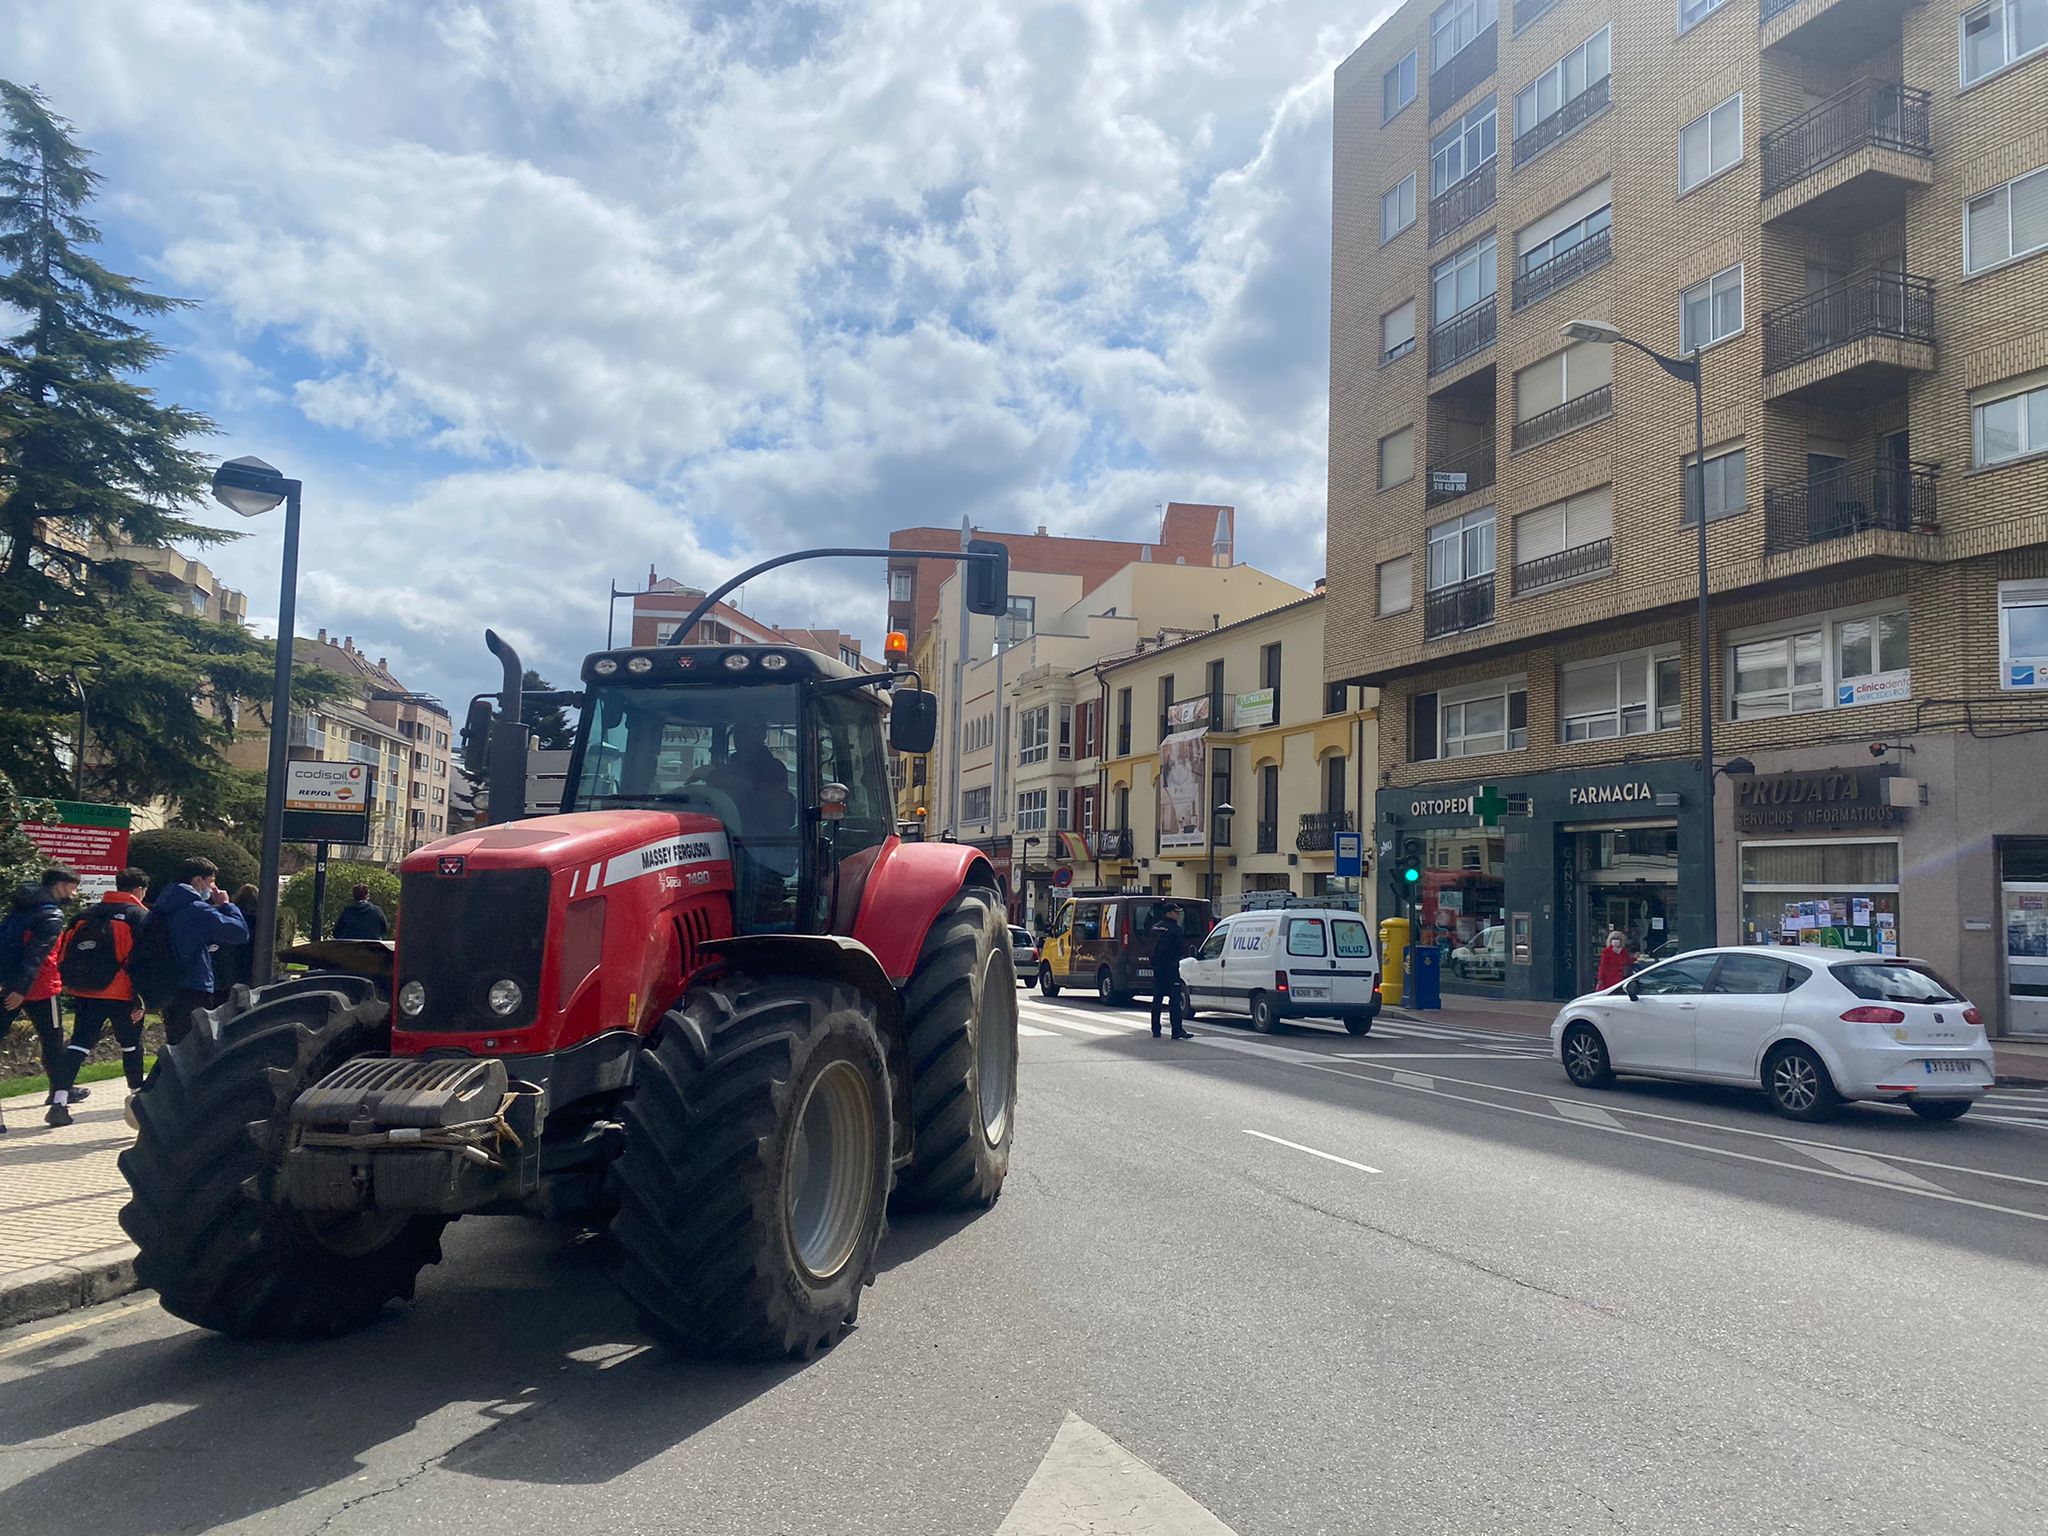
92	962
1615	960
28	962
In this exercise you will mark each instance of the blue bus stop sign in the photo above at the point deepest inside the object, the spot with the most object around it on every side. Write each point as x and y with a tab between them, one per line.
1350	855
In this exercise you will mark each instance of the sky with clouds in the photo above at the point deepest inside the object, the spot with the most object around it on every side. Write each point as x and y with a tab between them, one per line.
534	293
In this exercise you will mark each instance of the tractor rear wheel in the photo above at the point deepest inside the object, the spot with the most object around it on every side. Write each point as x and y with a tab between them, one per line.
960	1018
212	1133
755	1177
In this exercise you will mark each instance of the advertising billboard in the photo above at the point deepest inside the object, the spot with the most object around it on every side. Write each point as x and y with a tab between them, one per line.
328	802
1183	775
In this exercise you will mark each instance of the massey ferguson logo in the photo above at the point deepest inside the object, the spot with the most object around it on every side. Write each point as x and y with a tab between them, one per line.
670	854
450	864
665	854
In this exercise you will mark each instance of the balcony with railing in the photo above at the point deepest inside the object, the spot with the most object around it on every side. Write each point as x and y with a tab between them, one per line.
1870	496
1566	267
1464	335
1463	605
1319	829
1851	161
1579	411
1848	29
1564	122
1854	341
1566	565
1462	202
361	752
1269	837
1462	472
1450	80
1529	12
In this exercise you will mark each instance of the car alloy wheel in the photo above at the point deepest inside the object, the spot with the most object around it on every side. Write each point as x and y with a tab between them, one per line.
1585	1057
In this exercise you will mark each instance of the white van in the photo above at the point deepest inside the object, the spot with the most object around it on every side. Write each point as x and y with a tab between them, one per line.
1289	962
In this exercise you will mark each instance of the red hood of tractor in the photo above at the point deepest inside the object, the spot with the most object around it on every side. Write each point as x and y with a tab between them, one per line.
602	847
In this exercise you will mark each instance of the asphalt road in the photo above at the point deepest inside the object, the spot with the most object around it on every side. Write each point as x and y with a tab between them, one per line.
1412	1283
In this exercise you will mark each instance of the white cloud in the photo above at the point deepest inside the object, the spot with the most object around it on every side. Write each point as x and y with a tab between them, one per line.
546	289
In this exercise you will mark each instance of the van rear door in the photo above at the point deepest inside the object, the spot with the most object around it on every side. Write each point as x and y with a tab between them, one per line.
1353	967
1305	956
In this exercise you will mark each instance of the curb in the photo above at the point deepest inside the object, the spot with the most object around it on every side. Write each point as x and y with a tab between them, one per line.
28	1295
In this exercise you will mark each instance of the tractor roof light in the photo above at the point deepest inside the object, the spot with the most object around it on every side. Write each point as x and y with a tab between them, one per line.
604	666
896	647
774	662
737	661
640	664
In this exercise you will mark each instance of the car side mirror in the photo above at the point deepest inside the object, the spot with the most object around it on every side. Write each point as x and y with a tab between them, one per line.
1633	989
913	720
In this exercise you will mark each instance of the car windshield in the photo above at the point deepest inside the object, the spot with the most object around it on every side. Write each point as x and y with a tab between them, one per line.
1895	981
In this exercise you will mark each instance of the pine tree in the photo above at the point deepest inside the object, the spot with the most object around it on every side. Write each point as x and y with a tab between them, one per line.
551	729
88	454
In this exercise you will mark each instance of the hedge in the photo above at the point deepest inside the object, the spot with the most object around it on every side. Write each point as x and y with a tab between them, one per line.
341	877
160	853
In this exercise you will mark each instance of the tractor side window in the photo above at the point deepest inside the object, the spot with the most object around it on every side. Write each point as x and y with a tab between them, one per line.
850	753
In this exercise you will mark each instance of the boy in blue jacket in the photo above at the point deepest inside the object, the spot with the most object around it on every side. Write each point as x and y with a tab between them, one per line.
199	919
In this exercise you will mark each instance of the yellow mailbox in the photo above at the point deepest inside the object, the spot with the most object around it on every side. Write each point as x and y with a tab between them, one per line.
1394	933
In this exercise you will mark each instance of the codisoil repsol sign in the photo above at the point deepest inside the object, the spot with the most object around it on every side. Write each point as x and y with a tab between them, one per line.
1826	800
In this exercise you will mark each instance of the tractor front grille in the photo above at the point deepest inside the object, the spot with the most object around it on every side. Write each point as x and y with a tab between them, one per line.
459	934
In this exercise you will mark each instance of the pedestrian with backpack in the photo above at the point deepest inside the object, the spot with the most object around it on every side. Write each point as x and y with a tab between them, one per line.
92	962
28	962
196	918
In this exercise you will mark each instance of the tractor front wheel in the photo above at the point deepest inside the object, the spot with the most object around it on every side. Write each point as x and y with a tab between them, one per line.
960	1017
755	1175
209	1241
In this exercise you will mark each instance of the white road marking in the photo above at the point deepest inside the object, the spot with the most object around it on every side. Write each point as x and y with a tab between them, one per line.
1033	1029
1088	1482
1400	1055
1414	1080
1585	1114
1280	1141
1869	1167
1084	1027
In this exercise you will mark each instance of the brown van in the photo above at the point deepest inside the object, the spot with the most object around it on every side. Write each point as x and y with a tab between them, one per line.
1105	942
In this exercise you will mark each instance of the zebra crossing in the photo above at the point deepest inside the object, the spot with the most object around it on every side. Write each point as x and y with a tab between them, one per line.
2014	1106
1408	1037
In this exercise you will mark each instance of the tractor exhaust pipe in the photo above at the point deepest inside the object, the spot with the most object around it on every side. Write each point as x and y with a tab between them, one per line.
508	736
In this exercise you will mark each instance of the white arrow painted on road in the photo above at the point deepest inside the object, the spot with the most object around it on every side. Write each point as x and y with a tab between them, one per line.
1088	1485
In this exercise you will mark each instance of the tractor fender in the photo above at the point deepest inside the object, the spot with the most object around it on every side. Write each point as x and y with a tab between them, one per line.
907	888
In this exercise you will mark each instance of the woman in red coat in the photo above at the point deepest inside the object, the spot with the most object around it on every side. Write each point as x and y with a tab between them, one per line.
1614	961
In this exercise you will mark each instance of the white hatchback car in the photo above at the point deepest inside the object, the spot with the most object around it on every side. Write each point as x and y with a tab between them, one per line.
1811	1027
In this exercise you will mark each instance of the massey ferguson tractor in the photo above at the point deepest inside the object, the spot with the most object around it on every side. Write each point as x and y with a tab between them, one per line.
715	1003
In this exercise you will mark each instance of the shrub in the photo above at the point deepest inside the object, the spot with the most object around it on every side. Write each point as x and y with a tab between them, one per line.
297	906
160	854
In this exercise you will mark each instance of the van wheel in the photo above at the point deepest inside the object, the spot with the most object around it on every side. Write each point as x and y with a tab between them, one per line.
1046	984
1105	987
1265	1016
1358	1023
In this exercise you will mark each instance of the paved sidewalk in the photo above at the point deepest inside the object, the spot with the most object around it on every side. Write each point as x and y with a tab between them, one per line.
61	1244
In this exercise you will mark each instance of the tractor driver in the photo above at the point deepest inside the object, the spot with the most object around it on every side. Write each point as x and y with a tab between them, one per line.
755	780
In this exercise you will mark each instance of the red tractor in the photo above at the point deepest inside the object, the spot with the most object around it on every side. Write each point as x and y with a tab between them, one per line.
716	1003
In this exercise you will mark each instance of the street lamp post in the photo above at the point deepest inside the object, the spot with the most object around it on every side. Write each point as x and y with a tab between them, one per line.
1688	370
250	487
1216	896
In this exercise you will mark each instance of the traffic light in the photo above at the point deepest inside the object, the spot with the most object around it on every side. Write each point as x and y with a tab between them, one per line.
1408	873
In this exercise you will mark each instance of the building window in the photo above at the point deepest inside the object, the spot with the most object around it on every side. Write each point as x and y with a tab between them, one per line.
1618	696
1461	548
2012	424
1397	457
1456	25
1066	733
1031	811
1830	662
1397	208
1269	674
1552	241
1580	369
2007	221
1710	312
1397	585
1397	332
2000	33
2023	634
1843	894
899	585
1019	623
1727	488
1692	12
1470	721
1708	145
1579	523
1566	80
1034	738
1063	820
1123	727
1397	88
1462	148
1463	281
1336	698
976	803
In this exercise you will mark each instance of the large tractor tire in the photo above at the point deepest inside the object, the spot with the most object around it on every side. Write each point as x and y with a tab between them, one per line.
212	1134
960	1017
754	1182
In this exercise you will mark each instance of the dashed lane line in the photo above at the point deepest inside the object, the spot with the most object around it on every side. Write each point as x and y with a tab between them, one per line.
1585	1114
1861	1163
1281	1141
1033	1029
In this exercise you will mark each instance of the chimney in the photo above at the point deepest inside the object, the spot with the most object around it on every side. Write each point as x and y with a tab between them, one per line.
383	664
651	578
323	637
1041	530
1322	585
348	643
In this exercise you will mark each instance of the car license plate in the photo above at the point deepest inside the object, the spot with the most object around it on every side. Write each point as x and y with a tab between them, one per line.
1312	994
1966	1068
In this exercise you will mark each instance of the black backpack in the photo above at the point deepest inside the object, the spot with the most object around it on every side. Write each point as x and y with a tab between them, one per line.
92	960
152	963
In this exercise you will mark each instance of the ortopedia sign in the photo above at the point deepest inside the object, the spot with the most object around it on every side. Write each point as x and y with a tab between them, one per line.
326	787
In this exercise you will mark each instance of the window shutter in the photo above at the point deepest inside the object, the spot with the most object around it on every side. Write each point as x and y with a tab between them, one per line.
1422	731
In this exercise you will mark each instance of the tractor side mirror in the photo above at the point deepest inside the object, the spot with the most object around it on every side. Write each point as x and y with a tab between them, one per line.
988	577
913	720
476	739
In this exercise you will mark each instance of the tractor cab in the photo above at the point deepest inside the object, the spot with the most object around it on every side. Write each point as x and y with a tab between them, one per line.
784	746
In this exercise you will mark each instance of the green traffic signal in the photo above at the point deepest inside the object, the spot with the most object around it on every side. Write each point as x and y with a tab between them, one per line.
1410	874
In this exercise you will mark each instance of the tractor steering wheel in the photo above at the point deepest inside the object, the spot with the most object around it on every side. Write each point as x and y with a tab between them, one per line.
717	801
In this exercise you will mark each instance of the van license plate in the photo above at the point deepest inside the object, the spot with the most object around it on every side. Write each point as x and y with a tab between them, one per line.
1967	1068
1312	994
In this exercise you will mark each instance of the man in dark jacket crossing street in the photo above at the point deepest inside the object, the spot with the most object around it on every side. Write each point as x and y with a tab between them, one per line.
1169	944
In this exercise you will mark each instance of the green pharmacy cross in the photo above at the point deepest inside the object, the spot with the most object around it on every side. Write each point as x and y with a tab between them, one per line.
1491	805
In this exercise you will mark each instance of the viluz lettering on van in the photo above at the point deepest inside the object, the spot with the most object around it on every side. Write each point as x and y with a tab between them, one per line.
1610	794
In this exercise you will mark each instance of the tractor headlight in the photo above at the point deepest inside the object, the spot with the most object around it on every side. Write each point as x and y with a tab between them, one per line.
604	666
412	999
504	997
640	664
737	661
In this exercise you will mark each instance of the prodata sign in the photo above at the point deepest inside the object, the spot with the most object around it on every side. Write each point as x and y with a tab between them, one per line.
1350	850
328	802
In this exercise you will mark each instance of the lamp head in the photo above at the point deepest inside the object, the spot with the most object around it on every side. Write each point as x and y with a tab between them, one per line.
249	486
1591	330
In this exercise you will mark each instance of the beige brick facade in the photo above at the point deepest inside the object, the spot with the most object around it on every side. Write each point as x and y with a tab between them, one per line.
1861	337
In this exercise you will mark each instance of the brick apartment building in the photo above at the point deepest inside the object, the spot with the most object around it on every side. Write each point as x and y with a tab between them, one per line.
1844	205
666	602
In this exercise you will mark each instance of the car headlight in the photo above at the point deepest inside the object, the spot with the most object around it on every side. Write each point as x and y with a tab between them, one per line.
412	999
504	997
